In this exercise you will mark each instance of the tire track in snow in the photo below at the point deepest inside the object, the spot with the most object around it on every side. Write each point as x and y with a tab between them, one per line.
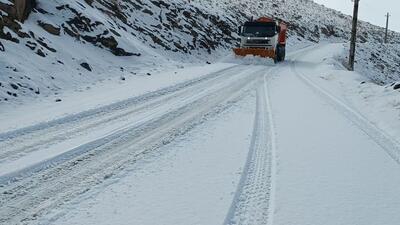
112	107
65	129
253	203
388	143
26	199
151	114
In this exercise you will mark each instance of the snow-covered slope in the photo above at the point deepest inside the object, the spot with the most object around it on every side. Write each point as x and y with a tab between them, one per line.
313	22
69	45
308	144
309	20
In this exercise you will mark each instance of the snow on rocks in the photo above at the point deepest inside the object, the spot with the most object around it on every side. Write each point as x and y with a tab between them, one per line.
60	34
379	62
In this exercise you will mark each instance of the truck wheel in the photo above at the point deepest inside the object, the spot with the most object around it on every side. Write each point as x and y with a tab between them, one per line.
277	55
281	53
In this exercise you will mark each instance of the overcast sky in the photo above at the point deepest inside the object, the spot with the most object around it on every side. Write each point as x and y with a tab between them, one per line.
373	11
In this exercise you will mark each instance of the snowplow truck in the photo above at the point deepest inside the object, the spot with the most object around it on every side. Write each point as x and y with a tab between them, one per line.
264	37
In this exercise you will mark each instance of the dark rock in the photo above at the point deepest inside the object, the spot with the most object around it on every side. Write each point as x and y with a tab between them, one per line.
42	11
109	42
40	53
148	74
148	11
70	32
89	2
396	86
58	100
31	45
2	47
187	14
115	32
46	46
14	86
122	52
107	176
50	28
7	36
9	9
86	66
90	39
24	8
12	94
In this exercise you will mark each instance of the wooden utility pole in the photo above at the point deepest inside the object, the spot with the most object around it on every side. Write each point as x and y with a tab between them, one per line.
387	28
353	36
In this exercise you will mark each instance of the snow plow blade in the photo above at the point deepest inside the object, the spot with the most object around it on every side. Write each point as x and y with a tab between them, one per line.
265	53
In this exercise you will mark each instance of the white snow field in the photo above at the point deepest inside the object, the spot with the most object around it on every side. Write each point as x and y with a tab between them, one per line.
243	141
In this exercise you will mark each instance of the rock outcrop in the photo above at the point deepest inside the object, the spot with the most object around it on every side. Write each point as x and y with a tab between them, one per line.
20	10
23	8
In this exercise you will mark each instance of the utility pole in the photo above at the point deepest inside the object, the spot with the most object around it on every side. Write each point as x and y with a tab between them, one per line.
387	28
353	36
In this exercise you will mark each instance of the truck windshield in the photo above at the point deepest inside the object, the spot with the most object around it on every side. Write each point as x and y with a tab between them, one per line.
259	30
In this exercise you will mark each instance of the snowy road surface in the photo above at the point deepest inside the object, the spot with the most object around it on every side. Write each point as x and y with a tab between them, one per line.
250	143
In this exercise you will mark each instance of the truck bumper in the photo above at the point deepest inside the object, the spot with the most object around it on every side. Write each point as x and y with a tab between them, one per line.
265	53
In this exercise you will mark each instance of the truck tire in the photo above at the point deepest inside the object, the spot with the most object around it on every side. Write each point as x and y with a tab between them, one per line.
276	58
283	56
280	53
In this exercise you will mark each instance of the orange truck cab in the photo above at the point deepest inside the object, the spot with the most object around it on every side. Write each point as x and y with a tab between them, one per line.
264	37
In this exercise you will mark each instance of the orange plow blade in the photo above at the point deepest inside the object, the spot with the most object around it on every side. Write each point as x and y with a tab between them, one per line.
265	53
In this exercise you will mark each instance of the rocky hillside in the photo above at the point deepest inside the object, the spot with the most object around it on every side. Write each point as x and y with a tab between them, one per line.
49	46
67	43
316	23
307	19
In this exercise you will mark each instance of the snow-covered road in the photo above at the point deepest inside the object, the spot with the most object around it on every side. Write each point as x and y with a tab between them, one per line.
251	143
334	166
